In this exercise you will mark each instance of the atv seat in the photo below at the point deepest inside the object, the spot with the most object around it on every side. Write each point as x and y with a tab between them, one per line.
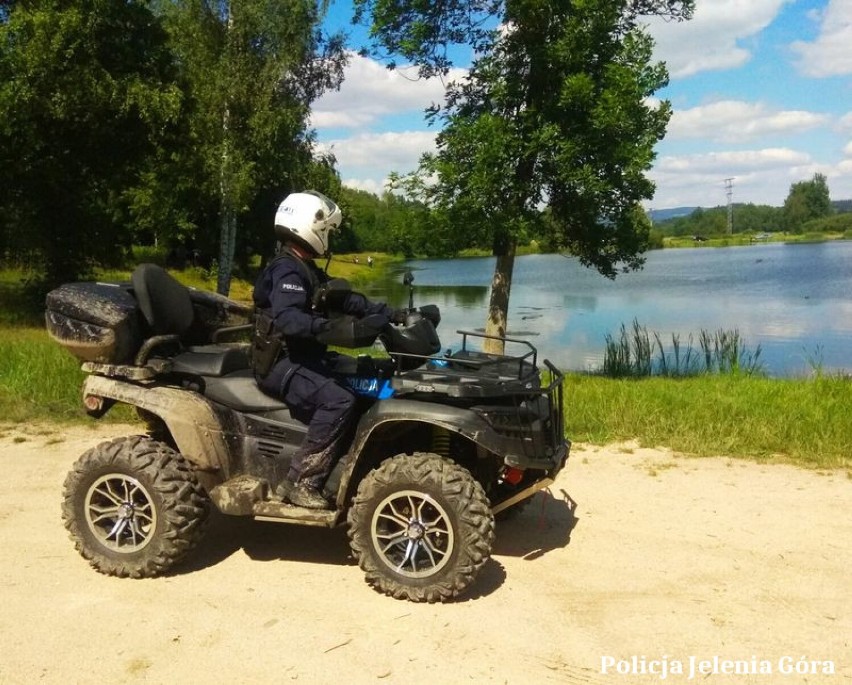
211	360
238	390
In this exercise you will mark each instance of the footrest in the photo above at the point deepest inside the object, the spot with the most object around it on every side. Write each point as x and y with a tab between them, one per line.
239	495
289	513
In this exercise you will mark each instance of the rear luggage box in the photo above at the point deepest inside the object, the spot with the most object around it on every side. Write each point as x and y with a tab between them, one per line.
96	322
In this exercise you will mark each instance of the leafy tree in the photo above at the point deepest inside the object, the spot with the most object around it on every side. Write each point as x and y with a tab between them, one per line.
386	224
838	223
86	91
555	113
806	200
251	68
751	218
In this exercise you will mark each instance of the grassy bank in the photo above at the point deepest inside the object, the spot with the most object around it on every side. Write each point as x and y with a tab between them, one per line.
803	421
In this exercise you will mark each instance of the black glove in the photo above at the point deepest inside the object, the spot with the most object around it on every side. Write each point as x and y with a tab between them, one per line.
398	315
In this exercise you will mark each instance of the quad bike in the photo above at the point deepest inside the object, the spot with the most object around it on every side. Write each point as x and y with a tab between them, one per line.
442	442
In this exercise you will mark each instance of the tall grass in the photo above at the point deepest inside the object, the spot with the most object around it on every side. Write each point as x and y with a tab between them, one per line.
38	379
638	353
801	421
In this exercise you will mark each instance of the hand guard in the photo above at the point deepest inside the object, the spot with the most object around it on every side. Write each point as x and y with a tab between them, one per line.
348	331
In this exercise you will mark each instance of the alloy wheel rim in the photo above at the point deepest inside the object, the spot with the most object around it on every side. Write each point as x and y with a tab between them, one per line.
412	534
120	513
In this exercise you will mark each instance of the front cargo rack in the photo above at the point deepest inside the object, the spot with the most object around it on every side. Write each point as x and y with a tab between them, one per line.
469	373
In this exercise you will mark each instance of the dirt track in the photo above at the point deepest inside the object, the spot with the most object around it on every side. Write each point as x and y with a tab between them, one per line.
662	559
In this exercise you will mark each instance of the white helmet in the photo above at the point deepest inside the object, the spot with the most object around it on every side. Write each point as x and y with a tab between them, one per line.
309	217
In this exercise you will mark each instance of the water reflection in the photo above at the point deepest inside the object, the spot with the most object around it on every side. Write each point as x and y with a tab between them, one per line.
795	301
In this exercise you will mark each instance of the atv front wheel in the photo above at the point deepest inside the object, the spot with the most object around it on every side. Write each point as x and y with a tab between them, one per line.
421	528
133	507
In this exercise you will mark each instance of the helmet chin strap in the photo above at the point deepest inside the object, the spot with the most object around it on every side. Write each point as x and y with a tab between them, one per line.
300	250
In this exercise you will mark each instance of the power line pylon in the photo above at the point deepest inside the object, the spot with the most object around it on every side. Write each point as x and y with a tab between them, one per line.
729	191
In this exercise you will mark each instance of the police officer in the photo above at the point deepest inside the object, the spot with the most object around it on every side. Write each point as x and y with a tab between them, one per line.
289	354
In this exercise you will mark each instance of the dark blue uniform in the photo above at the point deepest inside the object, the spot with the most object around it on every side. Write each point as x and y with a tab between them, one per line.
302	377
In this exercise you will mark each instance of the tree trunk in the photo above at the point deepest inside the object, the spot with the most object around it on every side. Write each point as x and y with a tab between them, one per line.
227	214
227	243
498	306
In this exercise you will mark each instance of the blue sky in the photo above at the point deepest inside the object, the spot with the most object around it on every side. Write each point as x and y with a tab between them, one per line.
761	91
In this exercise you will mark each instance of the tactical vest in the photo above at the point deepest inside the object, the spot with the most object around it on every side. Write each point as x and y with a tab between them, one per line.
268	343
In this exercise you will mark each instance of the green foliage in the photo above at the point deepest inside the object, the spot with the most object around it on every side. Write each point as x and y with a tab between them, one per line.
170	123
655	239
748	218
806	201
839	223
38	379
87	90
556	111
421	30
389	223
251	69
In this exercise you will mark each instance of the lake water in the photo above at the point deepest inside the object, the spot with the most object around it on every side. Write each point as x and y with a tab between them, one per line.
795	301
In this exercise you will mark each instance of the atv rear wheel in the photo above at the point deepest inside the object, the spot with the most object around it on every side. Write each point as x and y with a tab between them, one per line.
133	507
421	528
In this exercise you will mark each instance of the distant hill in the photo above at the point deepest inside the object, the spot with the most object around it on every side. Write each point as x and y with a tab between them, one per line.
673	213
842	206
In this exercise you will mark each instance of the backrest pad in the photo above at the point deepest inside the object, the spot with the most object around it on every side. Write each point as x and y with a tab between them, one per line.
164	302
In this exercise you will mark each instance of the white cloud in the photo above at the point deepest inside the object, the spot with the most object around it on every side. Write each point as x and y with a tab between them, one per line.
710	41
845	122
369	185
848	149
830	54
760	176
370	91
373	155
731	121
738	160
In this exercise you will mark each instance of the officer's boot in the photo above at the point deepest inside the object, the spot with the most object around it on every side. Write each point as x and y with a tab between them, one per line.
306	495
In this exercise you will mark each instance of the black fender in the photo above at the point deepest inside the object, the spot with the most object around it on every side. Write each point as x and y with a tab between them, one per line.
455	419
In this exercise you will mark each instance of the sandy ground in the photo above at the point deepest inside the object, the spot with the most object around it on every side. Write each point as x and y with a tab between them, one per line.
663	560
